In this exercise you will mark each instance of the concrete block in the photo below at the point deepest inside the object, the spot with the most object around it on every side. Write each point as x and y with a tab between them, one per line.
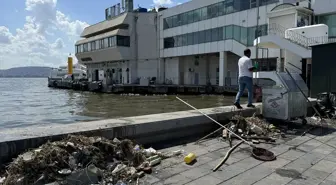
304	162
310	177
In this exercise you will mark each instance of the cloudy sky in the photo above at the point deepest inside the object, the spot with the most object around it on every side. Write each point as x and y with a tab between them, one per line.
43	32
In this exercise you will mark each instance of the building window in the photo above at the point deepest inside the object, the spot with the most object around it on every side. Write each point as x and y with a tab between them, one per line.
190	39
105	42
229	32
214	35
112	41
101	43
197	15
123	41
169	42
201	37
244	35
85	47
204	13
190	17
236	33
220	33
196	38
211	11
329	20
93	45
208	35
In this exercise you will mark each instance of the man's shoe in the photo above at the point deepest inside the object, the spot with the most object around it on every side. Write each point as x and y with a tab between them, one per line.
238	105
251	106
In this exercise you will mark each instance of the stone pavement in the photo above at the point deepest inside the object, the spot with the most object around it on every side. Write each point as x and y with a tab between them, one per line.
307	160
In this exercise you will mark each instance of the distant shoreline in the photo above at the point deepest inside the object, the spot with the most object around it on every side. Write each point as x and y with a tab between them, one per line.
23	77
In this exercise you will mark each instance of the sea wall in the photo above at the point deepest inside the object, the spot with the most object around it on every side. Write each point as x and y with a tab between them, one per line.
145	129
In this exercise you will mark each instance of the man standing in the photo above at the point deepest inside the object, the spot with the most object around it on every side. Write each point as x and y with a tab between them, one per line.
245	68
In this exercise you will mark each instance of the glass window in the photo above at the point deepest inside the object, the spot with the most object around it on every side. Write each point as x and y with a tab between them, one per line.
201	37
179	20
174	21
204	13
250	35
208	35
196	38
229	6
229	32
329	20
97	44
101	43
169	42
236	33
243	35
123	40
89	46
76	48
220	33
93	45
169	22
212	11
184	39
178	41
214	34
221	8
184	18
105	42
190	37
197	15
190	17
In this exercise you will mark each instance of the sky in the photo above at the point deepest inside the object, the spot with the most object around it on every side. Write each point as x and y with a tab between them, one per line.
43	32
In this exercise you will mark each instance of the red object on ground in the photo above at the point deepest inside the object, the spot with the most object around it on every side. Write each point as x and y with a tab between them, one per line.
257	93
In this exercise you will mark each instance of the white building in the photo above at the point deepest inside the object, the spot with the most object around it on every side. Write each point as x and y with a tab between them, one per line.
200	42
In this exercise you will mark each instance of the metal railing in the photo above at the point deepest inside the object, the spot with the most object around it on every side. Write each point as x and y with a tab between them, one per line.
297	38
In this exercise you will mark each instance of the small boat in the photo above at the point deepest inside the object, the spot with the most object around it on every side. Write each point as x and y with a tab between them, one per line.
61	73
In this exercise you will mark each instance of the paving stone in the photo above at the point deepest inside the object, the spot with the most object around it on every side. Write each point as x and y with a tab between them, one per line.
278	163
331	156
292	154
324	149
274	179
325	166
206	180
217	146
236	168
198	172
170	171
328	182
148	179
309	145
250	176
176	180
280	149
332	142
304	162
310	177
298	140
169	162
332	176
325	138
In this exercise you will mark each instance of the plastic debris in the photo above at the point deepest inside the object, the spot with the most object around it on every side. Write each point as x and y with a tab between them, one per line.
150	152
189	158
84	160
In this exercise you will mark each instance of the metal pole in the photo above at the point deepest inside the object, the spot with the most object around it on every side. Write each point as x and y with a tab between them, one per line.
215	122
257	32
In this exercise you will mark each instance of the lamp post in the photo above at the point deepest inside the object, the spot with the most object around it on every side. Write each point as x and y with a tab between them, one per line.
257	32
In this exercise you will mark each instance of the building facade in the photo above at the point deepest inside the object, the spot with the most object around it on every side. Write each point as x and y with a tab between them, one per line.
200	42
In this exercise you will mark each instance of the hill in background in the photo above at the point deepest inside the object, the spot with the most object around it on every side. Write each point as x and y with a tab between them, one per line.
33	71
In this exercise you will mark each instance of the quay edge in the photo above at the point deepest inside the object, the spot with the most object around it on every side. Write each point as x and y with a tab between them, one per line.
146	129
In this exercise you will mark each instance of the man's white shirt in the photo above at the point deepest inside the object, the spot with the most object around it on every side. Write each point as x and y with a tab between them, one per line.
244	64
